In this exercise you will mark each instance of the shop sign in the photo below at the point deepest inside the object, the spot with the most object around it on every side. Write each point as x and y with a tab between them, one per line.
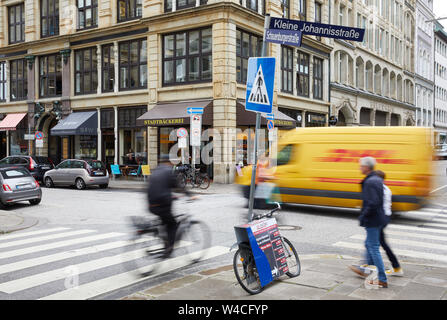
313	118
195	129
28	137
284	123
164	122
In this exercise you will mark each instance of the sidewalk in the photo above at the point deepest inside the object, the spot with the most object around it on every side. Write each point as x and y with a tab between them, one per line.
10	222
140	185
323	277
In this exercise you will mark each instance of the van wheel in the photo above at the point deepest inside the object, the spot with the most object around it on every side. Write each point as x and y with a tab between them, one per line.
49	183
80	184
35	201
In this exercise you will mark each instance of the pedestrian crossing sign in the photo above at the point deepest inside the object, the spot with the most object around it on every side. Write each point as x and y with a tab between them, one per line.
260	82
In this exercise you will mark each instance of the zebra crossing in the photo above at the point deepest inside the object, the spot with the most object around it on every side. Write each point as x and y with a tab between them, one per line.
63	263
420	234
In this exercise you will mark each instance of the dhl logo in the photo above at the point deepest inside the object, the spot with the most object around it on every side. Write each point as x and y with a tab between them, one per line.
346	155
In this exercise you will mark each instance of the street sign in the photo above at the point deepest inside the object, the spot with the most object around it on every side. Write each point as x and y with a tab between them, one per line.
270	116
270	125
272	135
318	29
182	132
194	110
260	82
284	37
195	129
39	143
182	142
39	135
28	136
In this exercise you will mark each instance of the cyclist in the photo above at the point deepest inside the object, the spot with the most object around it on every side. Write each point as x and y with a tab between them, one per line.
162	182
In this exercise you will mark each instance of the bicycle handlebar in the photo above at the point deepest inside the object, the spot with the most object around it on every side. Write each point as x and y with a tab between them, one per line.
269	214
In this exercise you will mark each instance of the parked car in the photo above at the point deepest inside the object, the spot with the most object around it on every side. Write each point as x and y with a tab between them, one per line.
36	165
80	173
18	185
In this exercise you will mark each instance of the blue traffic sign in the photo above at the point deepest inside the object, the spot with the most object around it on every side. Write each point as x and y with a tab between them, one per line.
195	110
260	83
318	29
270	116
270	125
287	37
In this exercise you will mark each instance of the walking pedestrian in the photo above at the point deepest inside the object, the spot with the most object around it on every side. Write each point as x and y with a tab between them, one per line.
372	218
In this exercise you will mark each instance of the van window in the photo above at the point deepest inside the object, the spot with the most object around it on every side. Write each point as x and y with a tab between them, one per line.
284	155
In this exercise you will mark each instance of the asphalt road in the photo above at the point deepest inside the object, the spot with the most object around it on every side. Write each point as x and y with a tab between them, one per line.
46	260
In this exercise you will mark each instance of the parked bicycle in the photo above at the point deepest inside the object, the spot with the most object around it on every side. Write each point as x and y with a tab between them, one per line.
147	243
244	264
187	175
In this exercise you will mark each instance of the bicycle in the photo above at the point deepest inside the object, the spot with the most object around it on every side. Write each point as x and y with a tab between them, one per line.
147	245
186	174
244	264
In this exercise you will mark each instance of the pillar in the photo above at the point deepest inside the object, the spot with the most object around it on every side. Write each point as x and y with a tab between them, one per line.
99	145
66	81
152	147
303	121
115	110
116	66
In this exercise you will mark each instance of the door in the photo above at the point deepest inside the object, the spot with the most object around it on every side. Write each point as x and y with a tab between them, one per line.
59	172
73	171
54	145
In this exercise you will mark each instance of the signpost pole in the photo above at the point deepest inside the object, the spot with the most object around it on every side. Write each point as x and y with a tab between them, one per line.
258	125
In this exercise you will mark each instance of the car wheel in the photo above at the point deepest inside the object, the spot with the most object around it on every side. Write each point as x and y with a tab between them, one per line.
35	201
103	186
80	184
49	183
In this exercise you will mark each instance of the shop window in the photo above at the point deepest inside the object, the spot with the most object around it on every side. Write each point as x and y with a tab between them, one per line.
3	81
165	141
19	83
16	23
318	78
302	74
85	148
187	57
17	143
287	70
87	14
247	45
108	68
50	75
129	10
49	18
133	64
86	72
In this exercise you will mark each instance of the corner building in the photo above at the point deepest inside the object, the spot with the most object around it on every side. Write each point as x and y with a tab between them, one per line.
111	80
373	82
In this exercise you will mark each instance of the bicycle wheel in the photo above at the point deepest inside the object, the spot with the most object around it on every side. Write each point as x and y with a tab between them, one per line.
181	181
197	238
293	262
245	271
205	181
142	252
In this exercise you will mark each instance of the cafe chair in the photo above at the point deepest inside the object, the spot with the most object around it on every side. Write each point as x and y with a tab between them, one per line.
115	170
145	170
135	173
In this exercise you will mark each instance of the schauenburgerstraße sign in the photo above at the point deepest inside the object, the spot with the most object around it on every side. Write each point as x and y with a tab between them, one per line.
318	29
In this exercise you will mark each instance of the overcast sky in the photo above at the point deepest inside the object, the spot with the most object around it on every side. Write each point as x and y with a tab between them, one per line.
440	10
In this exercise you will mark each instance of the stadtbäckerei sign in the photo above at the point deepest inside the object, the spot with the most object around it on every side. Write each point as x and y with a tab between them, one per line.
318	29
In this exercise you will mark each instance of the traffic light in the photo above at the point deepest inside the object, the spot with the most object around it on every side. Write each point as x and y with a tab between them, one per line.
38	110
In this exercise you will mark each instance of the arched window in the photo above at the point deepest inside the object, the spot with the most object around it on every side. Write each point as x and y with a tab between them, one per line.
377	79
360	73
385	82
369	77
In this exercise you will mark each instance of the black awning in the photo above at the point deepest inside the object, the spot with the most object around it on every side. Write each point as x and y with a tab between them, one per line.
248	118
77	124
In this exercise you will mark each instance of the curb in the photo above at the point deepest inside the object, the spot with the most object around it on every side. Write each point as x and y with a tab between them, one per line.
27	222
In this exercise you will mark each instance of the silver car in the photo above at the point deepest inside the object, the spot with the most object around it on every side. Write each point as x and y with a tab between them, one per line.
18	185
78	173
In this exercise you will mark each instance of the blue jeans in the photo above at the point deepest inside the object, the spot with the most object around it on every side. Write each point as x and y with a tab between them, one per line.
372	244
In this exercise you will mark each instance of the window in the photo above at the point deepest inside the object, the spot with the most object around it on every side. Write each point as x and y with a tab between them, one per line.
19	83
187	57
87	14
182	4
340	15
252	4
108	68
302	9
17	23
247	45
3	81
318	14
285	9
287	70
302	75
318	78
86	71
129	9
133	64
50	75
49	18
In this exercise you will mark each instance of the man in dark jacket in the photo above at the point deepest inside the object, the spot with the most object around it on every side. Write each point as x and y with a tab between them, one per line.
162	182
372	218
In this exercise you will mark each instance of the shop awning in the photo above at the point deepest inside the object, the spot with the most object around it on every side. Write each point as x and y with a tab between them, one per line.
11	121
77	123
175	114
248	118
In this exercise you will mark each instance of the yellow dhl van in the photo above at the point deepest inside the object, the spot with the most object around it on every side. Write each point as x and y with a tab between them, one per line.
320	166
